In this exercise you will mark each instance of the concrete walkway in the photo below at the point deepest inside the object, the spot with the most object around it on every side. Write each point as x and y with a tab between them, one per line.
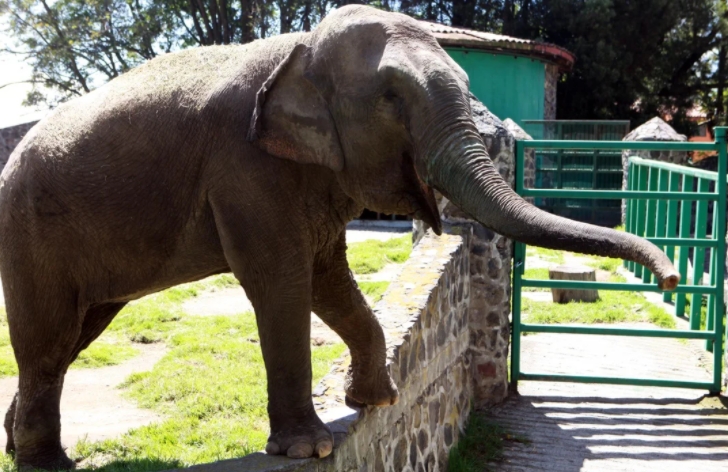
580	427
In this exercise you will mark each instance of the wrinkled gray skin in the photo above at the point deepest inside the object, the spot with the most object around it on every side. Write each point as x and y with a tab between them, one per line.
248	159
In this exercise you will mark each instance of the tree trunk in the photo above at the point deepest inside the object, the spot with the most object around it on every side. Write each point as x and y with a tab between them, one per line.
566	295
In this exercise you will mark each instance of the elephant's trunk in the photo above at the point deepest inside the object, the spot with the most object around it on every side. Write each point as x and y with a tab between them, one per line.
461	169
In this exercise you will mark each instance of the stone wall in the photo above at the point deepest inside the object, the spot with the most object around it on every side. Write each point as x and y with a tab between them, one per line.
490	269
653	130
9	138
551	81
426	315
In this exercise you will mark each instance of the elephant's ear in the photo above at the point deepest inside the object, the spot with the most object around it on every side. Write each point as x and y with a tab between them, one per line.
291	119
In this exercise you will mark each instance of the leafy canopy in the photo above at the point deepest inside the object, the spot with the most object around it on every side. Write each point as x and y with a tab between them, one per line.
635	59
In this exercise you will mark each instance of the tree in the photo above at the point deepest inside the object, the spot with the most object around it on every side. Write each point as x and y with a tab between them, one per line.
75	45
635	59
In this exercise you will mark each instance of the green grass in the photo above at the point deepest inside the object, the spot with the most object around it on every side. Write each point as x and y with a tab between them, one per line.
211	389
540	273
373	290
612	307
109	349
608	264
368	257
481	444
549	255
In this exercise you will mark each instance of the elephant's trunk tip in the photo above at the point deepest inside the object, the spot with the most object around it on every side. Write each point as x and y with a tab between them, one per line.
669	280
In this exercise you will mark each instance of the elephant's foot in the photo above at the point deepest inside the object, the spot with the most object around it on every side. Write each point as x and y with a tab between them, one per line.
308	438
373	388
9	425
55	459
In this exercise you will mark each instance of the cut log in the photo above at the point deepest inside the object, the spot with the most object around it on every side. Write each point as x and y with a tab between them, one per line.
563	272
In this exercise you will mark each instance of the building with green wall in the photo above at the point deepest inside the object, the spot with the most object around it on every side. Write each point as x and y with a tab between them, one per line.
515	78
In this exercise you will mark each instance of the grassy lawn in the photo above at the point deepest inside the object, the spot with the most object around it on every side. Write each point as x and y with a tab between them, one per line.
481	444
549	255
368	257
612	307
210	387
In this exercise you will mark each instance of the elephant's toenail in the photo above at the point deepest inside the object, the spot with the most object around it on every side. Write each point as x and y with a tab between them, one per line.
300	451
272	448
323	449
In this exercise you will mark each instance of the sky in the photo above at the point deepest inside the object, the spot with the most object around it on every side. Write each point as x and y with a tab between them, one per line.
13	69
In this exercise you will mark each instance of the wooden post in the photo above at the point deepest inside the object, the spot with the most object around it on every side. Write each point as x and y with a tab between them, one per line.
563	272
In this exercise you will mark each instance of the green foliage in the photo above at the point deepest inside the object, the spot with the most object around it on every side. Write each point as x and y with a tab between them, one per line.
634	59
371	256
77	45
480	445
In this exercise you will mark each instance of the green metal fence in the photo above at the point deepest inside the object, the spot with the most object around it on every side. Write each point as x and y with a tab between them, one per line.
652	212
579	168
591	130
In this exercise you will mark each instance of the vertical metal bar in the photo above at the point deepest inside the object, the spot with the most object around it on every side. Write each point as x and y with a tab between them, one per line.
674	187
628	207
519	259
701	224
641	213
710	312
559	169
651	226
594	203
662	186
630	225
710	321
720	208
685	219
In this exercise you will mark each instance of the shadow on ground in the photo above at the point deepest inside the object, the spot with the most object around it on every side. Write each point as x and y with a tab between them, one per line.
584	433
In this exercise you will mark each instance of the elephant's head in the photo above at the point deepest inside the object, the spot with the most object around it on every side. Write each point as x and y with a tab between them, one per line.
373	96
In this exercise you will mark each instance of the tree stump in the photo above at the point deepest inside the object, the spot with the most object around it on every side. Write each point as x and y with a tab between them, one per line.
563	272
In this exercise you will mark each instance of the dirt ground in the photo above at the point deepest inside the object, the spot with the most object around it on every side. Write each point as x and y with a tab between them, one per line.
92	405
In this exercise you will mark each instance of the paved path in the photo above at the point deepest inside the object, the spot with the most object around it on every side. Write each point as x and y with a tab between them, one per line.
581	427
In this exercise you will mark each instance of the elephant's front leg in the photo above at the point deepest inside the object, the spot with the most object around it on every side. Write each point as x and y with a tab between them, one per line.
276	275
284	324
340	304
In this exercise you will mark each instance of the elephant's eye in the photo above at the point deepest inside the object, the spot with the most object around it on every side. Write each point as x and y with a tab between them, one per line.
391	95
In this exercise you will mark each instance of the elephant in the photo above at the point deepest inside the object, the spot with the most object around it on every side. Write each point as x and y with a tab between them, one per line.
248	159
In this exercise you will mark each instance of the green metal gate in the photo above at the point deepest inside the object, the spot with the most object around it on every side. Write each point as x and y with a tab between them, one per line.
578	168
657	190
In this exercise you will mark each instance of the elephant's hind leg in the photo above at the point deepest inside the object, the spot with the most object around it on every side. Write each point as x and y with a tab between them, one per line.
9	424
44	330
340	304
96	319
